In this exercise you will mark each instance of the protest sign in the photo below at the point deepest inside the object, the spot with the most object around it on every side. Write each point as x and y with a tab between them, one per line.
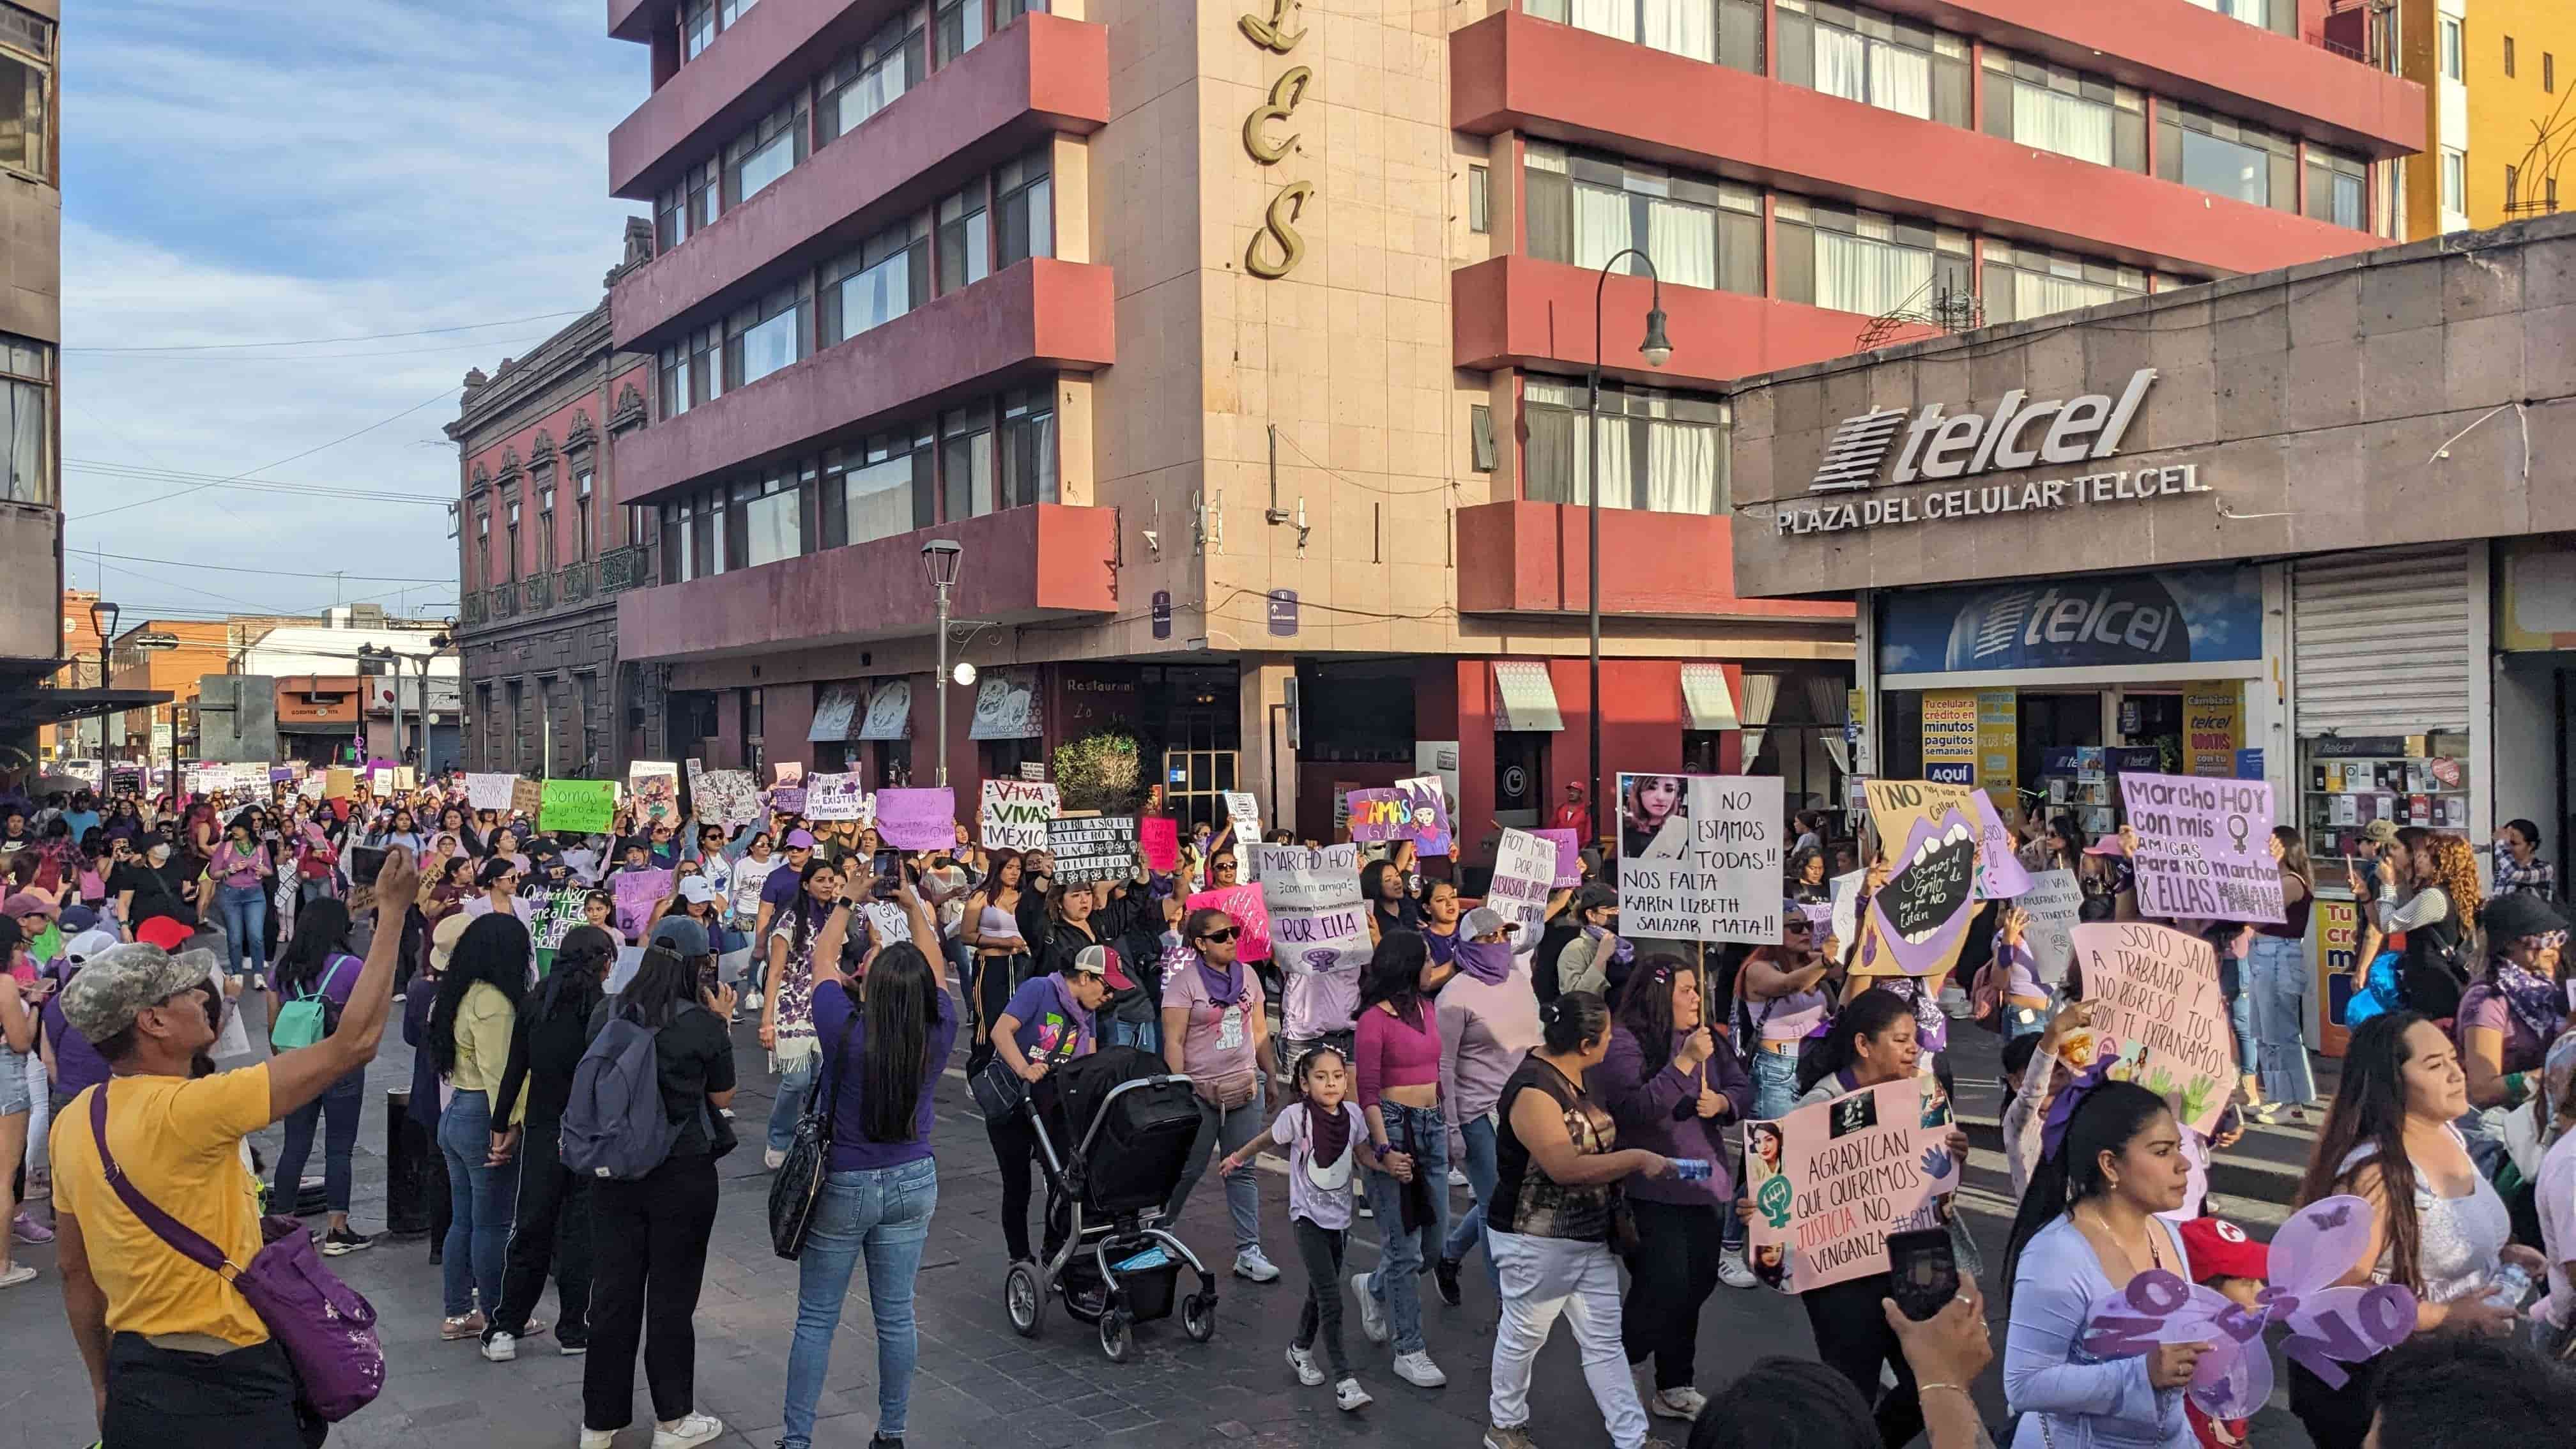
656	787
1160	837
1820	921
2053	904
890	922
311	787
556	912
2000	875
1569	855
1016	813
527	797
1033	769
1251	916
788	800
1295	879
787	772
1831	1181
1524	873
2158	1017
1245	813
727	797
380	780
629	958
1377	815
924	819
1699	857
835	797
1427	803
2204	847
584	807
1846	913
637	892
1317	920
1093	847
406	778
1928	836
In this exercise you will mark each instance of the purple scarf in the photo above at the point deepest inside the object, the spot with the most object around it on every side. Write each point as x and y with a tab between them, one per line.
2534	1002
1487	961
1073	1012
1224	988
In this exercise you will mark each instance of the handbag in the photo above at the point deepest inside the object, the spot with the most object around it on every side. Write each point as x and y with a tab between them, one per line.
799	1183
999	1092
327	1328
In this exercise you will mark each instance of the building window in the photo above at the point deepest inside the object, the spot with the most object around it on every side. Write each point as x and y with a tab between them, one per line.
1586	209
1024	208
766	522
769	151
697	28
689	370
878	488
1874	58
26	420
26	87
961	28
1726	31
545	529
586	694
1865	261
2455	180
687	206
1662	452
517	693
483	548
1028	446
2278	16
2454	61
966	461
768	335
581	513
2065	111
2339	188
728	11
1480	437
883	278
864	81
1006	11
2508	57
965	249
2025	282
2226	157
1479	199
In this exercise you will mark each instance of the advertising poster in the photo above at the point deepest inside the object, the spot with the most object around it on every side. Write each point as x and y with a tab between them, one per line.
2158	1015
1015	814
637	892
1524	872
655	784
2204	847
1700	857
1251	915
1918	921
584	807
836	797
1093	847
2173	616
1998	744
2052	903
923	819
1950	736
2335	937
1831	1181
489	792
2213	728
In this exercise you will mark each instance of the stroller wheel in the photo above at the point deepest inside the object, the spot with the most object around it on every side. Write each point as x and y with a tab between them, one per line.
1117	1335
1025	1298
1198	1317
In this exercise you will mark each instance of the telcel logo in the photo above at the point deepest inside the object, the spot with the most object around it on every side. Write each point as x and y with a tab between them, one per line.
1939	445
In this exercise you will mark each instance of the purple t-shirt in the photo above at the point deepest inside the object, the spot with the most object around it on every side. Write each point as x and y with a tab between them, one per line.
780	888
1048	1033
77	1064
851	1149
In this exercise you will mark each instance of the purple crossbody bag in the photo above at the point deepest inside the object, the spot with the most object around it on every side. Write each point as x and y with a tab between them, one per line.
326	1327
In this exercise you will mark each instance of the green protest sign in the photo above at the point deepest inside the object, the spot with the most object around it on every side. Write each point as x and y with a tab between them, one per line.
584	807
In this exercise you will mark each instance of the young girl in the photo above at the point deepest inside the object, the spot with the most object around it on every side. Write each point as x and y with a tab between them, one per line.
1324	1134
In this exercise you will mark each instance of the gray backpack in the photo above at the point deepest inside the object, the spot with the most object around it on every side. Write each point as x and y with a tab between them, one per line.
614	1125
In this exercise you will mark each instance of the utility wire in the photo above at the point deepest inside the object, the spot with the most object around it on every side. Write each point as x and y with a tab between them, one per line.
246	485
440	396
272	573
236	358
318	341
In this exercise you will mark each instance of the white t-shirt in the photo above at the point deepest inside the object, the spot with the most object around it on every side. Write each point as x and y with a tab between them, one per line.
2558	1228
748	876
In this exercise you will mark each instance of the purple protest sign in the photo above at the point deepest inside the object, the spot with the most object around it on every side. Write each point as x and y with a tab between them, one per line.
1920	917
1569	854
2204	847
787	800
1378	815
2000	875
637	892
918	819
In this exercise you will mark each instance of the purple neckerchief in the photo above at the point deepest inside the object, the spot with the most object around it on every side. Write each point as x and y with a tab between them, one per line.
2061	1111
2534	1002
1074	1012
1487	961
1224	988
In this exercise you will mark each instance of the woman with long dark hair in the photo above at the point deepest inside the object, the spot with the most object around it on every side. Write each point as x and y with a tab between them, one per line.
2087	1225
1398	1039
241	871
2440	1228
1084	914
1217	1033
787	999
550	1230
497	890
317	966
990	928
2279	983
470	1027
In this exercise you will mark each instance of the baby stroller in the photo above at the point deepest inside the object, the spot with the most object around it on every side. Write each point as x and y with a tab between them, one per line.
1113	1131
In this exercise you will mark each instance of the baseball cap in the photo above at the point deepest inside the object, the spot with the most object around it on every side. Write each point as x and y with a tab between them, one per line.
2220	1249
120	982
79	918
800	840
164	932
1483	921
2380	832
1092	961
27	903
88	943
697	889
683	935
442	941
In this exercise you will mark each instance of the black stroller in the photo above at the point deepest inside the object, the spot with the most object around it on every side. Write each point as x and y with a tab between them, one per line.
1114	1130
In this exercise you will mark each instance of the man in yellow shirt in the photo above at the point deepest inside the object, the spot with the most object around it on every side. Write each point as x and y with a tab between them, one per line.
175	1354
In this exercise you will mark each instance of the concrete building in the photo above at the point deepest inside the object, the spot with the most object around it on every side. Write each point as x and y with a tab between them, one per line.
1242	351
2499	119
84	667
544	549
31	333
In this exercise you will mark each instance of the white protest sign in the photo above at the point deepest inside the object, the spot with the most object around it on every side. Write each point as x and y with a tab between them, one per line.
1015	814
1296	879
2053	903
1524	873
1317	921
836	797
1245	814
888	918
730	798
1699	857
489	792
2158	1016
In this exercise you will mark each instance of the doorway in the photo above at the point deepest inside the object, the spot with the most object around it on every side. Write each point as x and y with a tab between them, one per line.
1520	778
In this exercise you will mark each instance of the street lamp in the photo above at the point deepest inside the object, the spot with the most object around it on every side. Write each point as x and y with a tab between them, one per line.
1657	350
102	619
941	556
154	643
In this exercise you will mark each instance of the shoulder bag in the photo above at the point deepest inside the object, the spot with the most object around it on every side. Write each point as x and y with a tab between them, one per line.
798	1185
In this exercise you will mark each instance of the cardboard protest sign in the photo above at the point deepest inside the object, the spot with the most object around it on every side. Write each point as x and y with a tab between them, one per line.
890	922
1251	916
1377	815
786	772
1524	873
637	892
2158	1016
1427	803
656	787
728	797
1699	857
1093	847
1160	838
1317	921
584	807
1845	919
2000	875
1569	855
311	787
1831	1181
2204	847
789	800
2053	903
1016	813
1928	836
527	797
1244	813
380	780
1295	878
836	797
924	819
556	913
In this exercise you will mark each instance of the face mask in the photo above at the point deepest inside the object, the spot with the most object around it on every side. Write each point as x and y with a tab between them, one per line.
160	853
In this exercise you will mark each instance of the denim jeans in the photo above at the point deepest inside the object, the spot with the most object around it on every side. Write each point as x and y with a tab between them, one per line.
480	1202
2240	1025
1477	1162
2277	980
1775	1084
337	1111
795	1084
243	910
1143	1035
1220	1132
885	1214
1397	1283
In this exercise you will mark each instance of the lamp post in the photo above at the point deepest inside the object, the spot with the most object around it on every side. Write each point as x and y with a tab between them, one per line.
1656	350
941	557
151	643
102	618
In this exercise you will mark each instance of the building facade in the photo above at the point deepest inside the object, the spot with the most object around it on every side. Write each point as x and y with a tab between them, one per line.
31	333
2499	121
1243	352
84	667
544	548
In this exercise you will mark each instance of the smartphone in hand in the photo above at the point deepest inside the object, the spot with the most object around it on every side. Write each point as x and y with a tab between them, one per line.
1923	1272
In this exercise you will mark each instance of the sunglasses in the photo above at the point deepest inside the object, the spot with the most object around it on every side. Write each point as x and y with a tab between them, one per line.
1801	926
1220	937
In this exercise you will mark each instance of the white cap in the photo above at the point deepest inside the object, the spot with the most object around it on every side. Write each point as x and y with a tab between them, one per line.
697	889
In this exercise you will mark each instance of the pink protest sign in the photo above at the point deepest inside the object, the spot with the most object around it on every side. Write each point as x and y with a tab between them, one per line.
1831	1181
2159	1018
1569	854
1250	912
2000	875
1160	837
917	819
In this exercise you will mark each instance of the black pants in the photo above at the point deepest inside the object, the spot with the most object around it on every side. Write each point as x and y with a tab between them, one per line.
1853	1339
1669	1279
157	1397
2336	1418
996	977
651	1239
551	1230
1015	1152
1321	1251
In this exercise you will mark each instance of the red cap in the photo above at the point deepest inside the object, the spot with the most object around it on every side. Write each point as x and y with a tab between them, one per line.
163	932
2220	1249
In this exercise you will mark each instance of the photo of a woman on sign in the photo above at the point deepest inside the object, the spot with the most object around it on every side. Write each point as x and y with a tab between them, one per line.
1654	824
1762	1139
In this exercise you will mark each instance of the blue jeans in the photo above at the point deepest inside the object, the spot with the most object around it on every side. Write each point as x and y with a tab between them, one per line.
2022	1021
795	1084
2240	1025
1477	1133
1220	1133
2278	983
1397	1283
243	910
885	1214
480	1203
337	1111
1142	1035
1775	1084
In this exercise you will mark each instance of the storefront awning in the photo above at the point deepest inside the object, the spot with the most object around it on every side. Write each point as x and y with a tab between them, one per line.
1524	697
834	708
1706	700
889	713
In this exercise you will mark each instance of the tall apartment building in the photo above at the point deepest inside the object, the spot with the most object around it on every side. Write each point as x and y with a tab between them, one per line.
31	334
1242	351
2500	117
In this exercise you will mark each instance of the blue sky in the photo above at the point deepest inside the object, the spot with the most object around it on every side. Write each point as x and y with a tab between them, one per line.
266	171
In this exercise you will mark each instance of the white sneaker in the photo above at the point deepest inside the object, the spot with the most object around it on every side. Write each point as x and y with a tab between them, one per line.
1417	1369
751	1001
598	1439
1252	1264
1372	1312
1349	1396
1682	1403
773	1159
500	1348
1457	1178
1302	1360
688	1432
1732	1271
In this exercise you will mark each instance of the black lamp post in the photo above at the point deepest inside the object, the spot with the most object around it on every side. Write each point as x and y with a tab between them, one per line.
1657	350
102	618
942	557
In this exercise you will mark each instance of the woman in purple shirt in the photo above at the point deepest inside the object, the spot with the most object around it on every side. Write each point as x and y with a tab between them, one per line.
316	964
886	1036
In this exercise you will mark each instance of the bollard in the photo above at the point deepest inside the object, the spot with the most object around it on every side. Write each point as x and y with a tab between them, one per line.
408	1192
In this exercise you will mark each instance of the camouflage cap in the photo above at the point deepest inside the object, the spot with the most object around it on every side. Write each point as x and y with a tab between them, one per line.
118	983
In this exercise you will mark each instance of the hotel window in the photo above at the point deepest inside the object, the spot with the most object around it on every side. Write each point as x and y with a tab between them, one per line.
878	488
1028	446
2279	16
1726	31
2226	157
1586	209
689	370
766	522
2454	60
1662	452
768	335
1024	208
2455	180
1864	55
26	420
2026	282
966	461
1865	261
685	207
1480	199
771	150
729	11
1006	11
2064	111
965	247
961	28
864	81
26	85
2338	188
885	277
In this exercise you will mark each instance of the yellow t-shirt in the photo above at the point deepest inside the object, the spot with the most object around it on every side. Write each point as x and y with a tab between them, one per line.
179	1142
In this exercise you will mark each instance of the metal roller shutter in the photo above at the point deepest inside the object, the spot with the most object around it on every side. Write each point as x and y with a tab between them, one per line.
2380	641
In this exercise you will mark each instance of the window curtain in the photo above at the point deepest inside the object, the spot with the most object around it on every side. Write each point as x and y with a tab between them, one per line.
1901	80
22	443
1857	274
1753	706
1842	64
1615	466
1684	27
1614	18
2036	294
1683	239
1827	701
2067	125
1681	467
1600	225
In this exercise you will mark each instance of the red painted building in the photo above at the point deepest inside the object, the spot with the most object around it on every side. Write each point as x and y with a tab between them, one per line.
1244	354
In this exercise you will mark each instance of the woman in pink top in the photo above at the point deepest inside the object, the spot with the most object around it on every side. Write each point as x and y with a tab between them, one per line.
1399	1072
241	869
1488	1025
1216	1033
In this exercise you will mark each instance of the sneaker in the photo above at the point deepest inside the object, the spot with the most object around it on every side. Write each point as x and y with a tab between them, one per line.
1365	1210
1457	1178
1348	1396
1682	1403
1302	1360
598	1439
880	1441
340	1242
1417	1369
773	1159
500	1347
1732	1271
1372	1312
683	1433
1250	1263
751	1001
17	1274
464	1325
27	1230
1444	1276
572	1347
1496	1437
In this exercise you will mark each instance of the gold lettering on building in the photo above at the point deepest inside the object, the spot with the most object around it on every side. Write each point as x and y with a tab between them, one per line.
1285	93
1274	34
1292	247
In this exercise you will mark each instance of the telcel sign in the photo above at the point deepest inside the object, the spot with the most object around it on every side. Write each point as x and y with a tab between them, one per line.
1938	447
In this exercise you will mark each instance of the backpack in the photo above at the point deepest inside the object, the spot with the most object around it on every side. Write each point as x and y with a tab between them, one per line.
310	1015
614	1124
